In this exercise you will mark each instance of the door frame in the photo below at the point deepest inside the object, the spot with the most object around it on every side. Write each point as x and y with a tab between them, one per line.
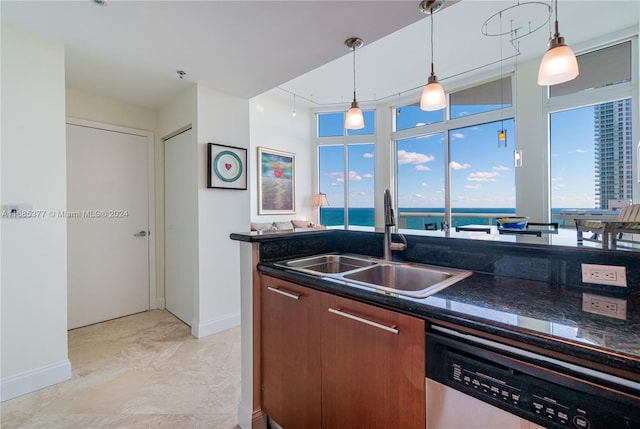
151	200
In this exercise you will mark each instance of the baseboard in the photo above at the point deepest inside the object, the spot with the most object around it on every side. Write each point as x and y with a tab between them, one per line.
248	419
33	380
244	416
213	326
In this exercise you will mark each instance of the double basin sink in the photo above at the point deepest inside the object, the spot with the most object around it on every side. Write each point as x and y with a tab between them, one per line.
408	279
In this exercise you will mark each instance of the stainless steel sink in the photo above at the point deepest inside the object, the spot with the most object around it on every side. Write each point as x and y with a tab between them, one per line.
330	263
414	280
407	279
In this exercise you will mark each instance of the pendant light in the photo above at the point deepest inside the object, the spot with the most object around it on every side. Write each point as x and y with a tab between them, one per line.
559	64
502	133
433	97
354	119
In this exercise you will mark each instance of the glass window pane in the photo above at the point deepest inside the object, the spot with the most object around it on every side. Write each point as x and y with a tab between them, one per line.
331	182
361	184
330	124
420	174
482	98
412	116
482	173
369	124
591	156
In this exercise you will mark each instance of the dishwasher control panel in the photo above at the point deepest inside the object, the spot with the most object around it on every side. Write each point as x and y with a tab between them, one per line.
542	395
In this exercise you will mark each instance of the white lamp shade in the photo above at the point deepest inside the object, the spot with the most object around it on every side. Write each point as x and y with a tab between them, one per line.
558	65
320	200
354	119
433	97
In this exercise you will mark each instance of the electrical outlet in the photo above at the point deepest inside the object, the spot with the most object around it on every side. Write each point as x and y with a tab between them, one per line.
604	275
605	306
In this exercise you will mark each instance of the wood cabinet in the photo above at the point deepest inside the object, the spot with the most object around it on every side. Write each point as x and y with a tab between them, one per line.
290	354
373	367
335	363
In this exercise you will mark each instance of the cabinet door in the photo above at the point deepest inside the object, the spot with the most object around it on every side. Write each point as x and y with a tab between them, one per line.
290	358
373	372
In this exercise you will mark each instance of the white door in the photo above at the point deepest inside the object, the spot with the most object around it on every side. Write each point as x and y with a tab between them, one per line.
107	224
180	193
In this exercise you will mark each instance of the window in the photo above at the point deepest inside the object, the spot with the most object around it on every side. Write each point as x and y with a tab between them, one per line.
477	180
346	171
420	173
591	137
412	116
482	171
591	156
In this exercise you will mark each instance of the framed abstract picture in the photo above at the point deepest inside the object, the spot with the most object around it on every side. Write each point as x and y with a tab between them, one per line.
276	182
226	167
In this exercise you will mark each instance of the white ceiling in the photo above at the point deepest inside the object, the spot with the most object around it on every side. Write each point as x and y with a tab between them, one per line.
131	50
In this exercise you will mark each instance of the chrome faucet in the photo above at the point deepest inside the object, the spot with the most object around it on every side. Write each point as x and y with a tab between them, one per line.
389	222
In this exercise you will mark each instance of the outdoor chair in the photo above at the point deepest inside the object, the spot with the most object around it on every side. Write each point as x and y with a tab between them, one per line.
628	222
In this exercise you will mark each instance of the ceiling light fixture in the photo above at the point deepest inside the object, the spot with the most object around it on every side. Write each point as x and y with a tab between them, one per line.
181	73
433	97
354	119
559	63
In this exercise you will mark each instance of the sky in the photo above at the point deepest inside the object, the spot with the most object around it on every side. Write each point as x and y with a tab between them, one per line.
482	171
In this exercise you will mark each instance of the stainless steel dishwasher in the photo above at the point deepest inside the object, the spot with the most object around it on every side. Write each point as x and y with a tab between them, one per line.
475	383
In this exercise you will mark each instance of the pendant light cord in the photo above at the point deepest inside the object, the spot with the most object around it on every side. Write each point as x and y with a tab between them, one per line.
354	72
432	71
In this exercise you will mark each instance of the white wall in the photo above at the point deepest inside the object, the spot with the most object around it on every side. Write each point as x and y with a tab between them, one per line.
34	255
532	195
273	126
222	119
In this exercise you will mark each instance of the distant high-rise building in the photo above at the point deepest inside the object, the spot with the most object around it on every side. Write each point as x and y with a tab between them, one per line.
613	152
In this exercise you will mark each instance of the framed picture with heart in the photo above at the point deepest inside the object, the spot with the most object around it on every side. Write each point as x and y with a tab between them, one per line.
226	167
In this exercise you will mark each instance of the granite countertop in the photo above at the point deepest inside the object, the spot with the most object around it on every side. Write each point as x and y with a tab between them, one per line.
539	314
523	292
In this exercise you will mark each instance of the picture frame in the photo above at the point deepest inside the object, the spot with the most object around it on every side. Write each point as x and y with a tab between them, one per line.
226	167
276	182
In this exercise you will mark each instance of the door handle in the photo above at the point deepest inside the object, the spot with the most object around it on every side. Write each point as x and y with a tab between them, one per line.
140	234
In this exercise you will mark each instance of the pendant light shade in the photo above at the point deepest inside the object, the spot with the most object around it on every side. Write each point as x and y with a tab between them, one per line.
559	63
354	119
433	96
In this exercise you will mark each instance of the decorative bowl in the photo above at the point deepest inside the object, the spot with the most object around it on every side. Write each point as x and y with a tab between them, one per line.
513	222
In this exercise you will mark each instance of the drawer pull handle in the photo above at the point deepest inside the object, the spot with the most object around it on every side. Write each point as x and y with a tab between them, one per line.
342	313
284	292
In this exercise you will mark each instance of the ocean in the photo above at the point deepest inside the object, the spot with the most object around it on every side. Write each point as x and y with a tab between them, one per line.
334	216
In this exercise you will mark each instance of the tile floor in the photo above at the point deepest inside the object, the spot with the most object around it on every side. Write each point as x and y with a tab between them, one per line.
140	371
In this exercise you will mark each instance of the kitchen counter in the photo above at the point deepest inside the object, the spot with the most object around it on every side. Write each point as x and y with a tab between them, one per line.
539	314
543	311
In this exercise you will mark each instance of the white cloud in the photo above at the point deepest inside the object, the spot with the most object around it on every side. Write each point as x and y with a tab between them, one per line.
424	184
472	186
457	135
354	176
500	168
582	151
483	176
421	167
367	175
420	196
405	157
367	155
457	166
